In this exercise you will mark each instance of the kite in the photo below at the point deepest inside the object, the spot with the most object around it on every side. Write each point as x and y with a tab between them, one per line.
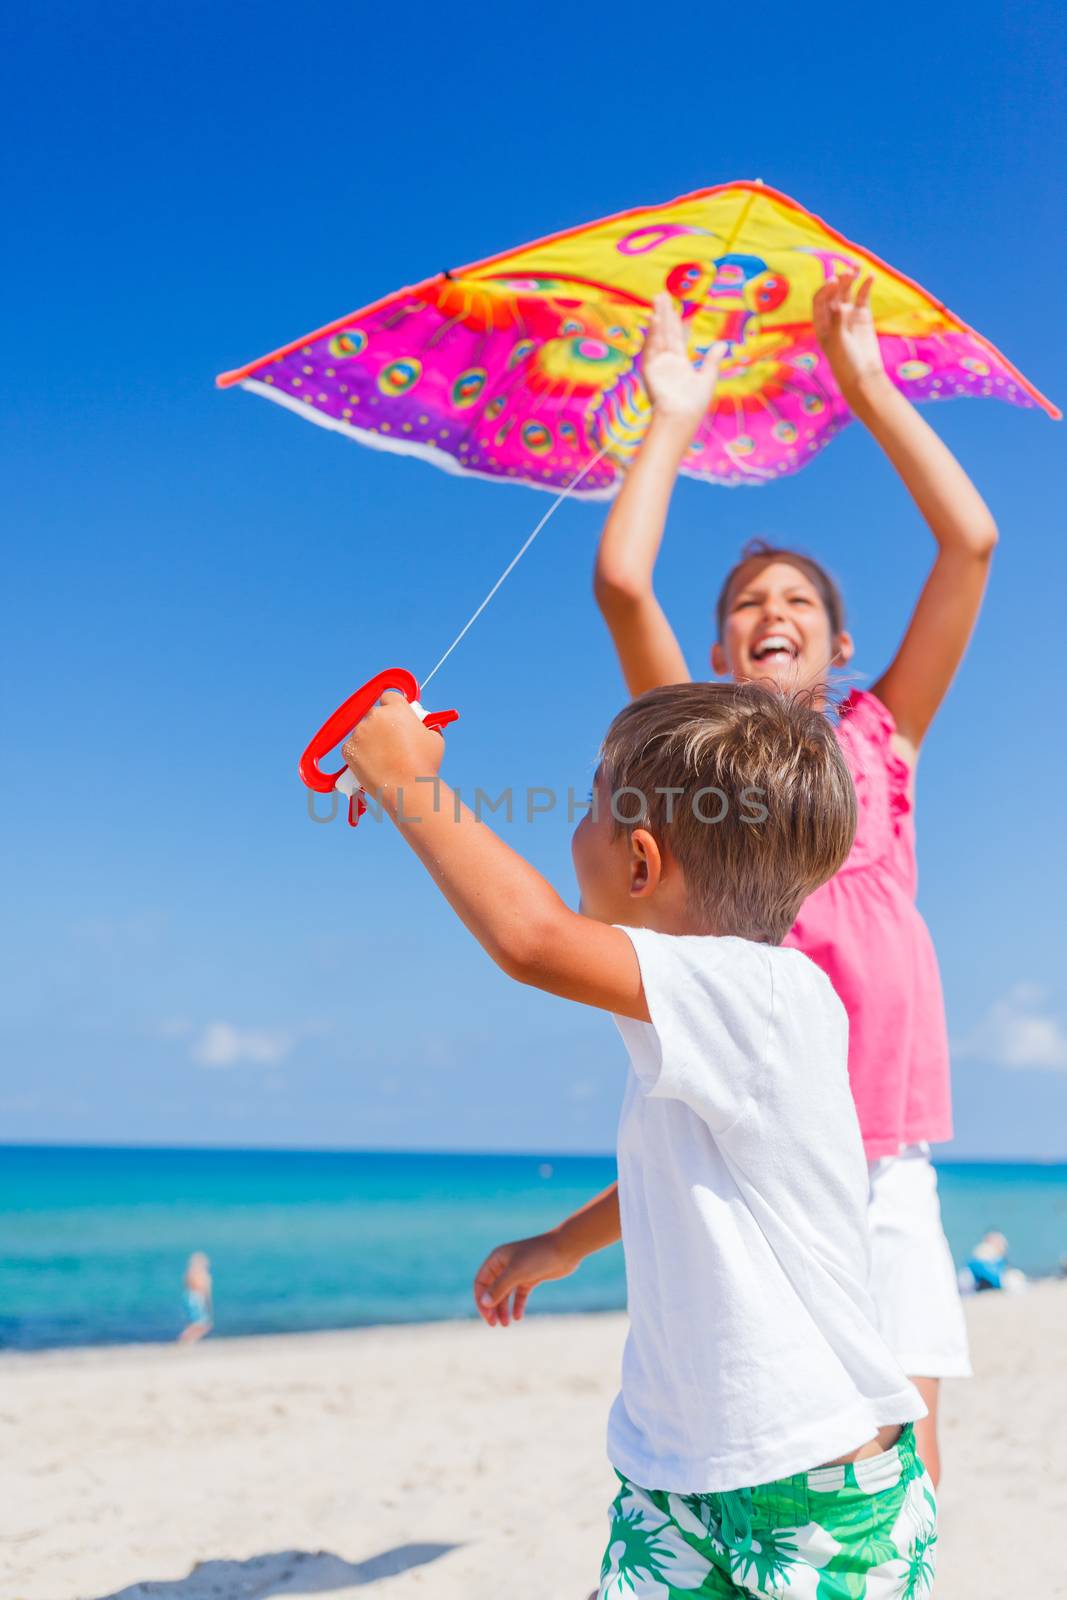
527	366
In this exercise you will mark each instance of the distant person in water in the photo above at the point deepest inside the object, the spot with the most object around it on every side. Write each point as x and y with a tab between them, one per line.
196	1296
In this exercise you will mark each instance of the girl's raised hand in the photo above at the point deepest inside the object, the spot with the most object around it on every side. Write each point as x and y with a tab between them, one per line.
844	327
678	388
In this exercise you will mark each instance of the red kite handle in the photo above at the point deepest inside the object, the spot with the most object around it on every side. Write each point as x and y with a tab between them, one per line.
337	727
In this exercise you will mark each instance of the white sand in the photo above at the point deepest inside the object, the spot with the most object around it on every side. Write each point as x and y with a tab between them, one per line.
448	1460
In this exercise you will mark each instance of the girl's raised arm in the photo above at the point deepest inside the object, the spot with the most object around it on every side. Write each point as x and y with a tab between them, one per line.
917	679
648	651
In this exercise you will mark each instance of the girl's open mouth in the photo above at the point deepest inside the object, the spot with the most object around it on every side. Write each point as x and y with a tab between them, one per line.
775	648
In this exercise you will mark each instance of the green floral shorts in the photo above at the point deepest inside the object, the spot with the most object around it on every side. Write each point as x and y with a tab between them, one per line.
866	1531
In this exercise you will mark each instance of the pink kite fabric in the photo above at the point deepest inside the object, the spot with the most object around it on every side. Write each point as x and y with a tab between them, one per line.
527	367
864	930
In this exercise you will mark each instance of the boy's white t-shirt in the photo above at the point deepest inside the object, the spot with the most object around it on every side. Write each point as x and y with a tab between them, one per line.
753	1350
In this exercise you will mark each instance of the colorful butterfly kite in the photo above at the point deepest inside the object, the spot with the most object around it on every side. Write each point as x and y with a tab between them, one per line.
525	366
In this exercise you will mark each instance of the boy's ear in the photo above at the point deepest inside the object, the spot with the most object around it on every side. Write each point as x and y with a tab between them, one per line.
719	664
844	650
646	863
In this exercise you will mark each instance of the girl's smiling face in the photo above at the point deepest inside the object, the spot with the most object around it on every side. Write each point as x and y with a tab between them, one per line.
777	629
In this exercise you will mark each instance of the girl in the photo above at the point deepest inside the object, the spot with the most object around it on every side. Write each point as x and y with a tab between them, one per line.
781	620
196	1297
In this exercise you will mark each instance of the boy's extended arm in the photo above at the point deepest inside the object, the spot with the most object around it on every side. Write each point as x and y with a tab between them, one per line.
918	678
509	908
648	651
505	1278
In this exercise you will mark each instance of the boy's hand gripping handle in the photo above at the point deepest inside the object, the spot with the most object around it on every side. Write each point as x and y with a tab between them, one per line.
335	731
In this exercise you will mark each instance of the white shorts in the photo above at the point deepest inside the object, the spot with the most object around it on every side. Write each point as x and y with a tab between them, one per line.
913	1279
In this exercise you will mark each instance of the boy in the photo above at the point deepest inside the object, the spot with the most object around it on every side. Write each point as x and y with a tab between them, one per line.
762	1433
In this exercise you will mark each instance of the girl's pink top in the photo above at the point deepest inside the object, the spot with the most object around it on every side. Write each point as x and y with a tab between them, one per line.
864	930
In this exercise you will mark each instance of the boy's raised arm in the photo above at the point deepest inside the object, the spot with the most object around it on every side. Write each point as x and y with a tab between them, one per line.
509	908
648	651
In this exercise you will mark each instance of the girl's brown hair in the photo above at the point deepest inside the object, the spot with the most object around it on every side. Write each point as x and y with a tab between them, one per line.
759	552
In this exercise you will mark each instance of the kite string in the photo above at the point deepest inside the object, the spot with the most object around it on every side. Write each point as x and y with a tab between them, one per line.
516	558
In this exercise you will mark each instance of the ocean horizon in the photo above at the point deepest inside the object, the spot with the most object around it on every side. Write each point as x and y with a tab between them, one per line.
94	1238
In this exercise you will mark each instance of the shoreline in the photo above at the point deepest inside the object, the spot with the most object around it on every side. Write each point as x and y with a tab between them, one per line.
443	1458
86	1353
14	1354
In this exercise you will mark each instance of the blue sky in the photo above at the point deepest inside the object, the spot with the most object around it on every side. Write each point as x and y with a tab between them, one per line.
193	579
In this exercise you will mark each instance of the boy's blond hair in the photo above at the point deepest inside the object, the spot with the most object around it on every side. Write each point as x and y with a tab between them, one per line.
747	789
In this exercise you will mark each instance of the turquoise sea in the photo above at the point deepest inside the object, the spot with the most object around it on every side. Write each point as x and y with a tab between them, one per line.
93	1242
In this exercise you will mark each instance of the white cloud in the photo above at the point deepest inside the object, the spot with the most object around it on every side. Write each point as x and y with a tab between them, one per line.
1021	1030
221	1044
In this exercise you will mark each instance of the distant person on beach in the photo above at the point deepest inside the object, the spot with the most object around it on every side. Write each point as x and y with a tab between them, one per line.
196	1297
781	621
987	1266
763	1434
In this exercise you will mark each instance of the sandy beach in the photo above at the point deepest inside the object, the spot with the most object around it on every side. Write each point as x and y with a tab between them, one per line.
445	1460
